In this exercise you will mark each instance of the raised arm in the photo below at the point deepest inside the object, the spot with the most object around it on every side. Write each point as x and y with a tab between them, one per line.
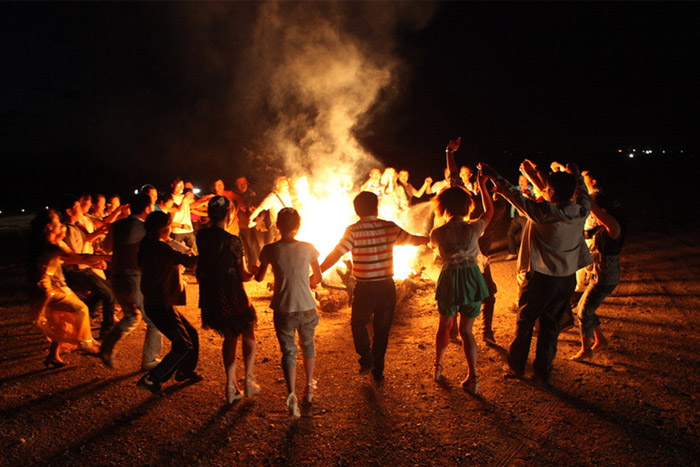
452	146
424	189
606	220
486	199
532	174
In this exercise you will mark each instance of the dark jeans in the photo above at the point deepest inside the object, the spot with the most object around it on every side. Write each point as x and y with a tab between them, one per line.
87	281
372	300
184	349
250	239
547	298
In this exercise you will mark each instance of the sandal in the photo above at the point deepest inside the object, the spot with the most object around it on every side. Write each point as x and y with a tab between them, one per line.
251	387
233	394
471	385
293	405
310	389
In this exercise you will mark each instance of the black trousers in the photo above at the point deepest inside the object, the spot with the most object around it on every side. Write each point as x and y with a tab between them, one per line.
375	301
184	349
100	292
545	298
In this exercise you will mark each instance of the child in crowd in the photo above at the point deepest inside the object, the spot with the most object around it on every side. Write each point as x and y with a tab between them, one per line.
163	288
461	287
293	304
225	305
371	241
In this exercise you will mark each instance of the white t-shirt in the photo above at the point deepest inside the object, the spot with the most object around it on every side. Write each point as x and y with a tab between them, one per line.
182	216
291	266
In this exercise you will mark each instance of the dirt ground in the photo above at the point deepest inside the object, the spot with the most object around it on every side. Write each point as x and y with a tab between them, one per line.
635	404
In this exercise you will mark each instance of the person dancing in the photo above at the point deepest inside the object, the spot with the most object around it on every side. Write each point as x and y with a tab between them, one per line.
64	318
461	286
225	306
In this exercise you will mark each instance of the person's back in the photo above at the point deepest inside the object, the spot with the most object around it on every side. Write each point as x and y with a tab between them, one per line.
290	262
126	236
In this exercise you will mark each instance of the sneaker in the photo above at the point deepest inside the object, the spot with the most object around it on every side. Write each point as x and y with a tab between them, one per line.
150	365
366	368
148	385
192	377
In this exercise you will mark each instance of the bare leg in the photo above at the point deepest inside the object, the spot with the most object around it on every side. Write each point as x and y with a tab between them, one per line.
55	352
251	387
469	344
309	364
601	343
442	337
229	353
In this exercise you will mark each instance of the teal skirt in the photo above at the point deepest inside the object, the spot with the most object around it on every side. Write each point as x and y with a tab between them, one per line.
460	286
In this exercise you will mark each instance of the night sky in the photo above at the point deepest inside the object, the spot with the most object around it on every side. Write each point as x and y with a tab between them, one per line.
108	96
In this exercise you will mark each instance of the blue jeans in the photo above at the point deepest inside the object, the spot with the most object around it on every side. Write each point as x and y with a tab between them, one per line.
303	322
588	304
128	294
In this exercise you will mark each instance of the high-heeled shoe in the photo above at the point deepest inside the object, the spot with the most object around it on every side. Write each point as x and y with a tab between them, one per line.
233	394
471	385
51	362
438	377
251	387
293	405
310	388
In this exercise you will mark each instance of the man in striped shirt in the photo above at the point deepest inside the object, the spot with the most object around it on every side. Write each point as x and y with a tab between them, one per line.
371	242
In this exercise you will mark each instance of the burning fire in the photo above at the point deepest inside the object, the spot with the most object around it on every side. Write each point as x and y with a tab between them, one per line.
326	210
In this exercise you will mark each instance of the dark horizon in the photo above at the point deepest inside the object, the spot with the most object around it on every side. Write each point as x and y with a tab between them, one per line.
104	97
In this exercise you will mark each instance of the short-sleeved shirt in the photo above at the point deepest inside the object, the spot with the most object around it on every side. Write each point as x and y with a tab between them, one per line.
458	241
290	264
372	241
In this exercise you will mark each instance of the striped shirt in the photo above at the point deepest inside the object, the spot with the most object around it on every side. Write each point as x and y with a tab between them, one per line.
371	241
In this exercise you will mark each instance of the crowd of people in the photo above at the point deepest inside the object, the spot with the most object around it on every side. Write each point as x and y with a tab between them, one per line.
566	233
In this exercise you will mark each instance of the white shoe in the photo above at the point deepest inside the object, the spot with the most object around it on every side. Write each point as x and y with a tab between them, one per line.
251	387
310	390
293	405
233	394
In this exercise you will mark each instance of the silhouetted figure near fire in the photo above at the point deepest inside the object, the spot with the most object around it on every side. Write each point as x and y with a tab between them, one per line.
552	251
225	306
461	287
293	304
278	199
371	241
488	305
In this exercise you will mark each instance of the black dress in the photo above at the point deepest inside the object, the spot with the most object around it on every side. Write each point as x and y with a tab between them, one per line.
222	298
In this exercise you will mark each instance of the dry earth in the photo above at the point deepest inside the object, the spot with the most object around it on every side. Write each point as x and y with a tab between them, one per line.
636	404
